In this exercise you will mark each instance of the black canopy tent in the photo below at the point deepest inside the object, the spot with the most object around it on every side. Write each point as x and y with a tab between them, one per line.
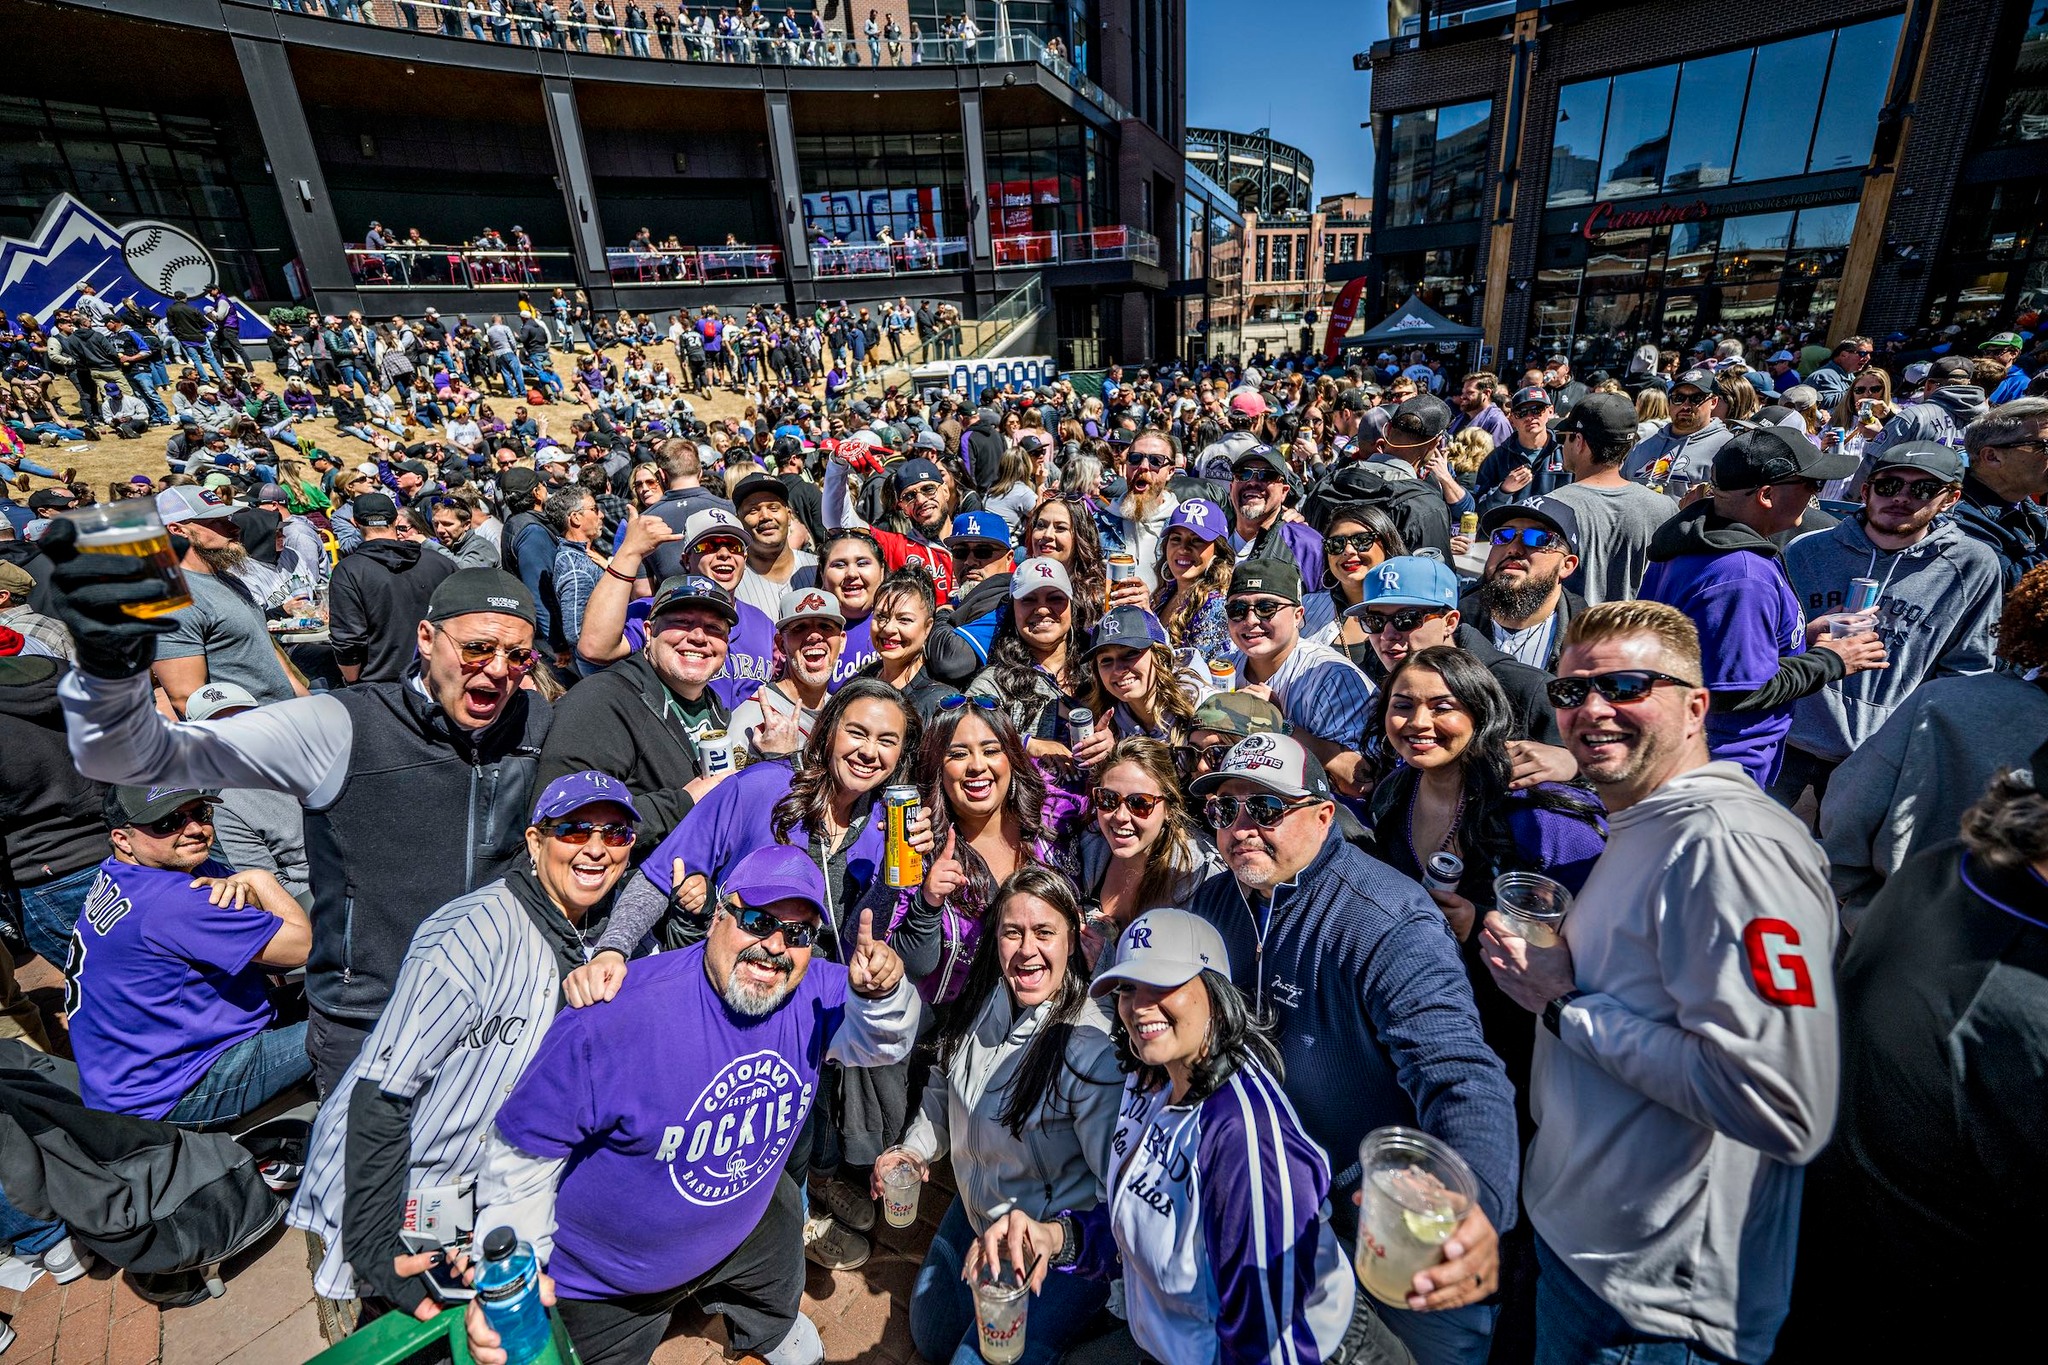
1413	323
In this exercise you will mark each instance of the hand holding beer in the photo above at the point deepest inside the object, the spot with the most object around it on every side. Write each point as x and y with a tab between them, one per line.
946	875
117	581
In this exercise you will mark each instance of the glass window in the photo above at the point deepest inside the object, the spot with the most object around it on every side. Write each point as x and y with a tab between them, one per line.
1784	94
1827	227
1283	258
1575	149
1753	247
2023	112
1638	131
1460	170
1703	129
1259	265
1411	144
1857	78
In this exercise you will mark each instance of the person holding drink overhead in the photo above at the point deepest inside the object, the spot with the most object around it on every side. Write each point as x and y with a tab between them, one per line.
1218	1208
1024	1101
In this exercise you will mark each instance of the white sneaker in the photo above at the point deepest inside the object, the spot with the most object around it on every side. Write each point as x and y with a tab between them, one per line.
834	1247
844	1202
65	1262
6	1336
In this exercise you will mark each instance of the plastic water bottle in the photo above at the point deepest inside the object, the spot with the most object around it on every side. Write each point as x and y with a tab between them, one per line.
508	1287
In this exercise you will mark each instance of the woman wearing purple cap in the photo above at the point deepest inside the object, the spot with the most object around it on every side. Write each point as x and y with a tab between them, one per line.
1134	685
1194	576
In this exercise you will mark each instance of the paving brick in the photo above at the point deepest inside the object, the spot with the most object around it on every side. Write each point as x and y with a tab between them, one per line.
35	1323
263	1291
127	1302
289	1342
93	1294
136	1339
82	1337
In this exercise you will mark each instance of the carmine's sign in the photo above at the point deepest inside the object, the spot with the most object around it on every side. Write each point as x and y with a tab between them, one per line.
1605	217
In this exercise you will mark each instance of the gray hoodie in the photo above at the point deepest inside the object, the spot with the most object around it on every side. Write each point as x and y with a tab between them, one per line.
1941	416
1937	604
1692	457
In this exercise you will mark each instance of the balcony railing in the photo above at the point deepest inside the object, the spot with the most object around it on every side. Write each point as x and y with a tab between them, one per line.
428	266
693	264
768	44
1016	250
897	258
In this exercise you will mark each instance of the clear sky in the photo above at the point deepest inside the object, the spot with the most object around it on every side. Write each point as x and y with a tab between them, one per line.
1286	64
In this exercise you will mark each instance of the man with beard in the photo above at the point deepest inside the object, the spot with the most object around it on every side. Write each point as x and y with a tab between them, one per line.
1685	445
695	1148
440	764
1687	1065
1521	602
1134	525
776	721
1476	408
1374	1016
763	504
919	522
1260	528
223	636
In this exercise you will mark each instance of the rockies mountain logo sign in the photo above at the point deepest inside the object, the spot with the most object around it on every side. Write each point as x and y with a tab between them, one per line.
145	260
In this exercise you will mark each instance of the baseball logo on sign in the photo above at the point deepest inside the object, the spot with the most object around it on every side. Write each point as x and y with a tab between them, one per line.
167	259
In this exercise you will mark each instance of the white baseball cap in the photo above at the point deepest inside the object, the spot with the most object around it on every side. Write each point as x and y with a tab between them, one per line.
1166	948
712	521
215	697
808	604
186	503
1034	574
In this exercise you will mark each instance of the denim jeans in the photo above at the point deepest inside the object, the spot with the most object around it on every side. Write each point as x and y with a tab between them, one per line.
1451	1336
1575	1326
28	1236
8	467
244	1077
50	910
942	1306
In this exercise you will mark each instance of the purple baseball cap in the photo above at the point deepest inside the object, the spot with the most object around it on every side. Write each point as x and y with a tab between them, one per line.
1202	517
776	872
573	791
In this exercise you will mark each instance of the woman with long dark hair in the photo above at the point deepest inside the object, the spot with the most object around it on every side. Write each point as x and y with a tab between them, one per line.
1142	849
1355	538
1134	684
1210	1156
1060	528
1037	665
1023	1100
1194	570
899	629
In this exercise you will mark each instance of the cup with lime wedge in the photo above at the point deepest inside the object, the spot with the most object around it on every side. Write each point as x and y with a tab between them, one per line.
1417	1191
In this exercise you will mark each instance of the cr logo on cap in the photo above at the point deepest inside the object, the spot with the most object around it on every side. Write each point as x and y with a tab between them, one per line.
1197	513
1391	578
1111	626
1045	571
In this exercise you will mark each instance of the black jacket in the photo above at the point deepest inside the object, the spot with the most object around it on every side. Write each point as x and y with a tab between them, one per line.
2017	532
187	323
1547	474
428	812
50	821
1472	611
985	446
1416	507
619	722
376	599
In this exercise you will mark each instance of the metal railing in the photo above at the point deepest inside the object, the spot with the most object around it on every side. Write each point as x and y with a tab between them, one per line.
694	264
972	336
1020	250
429	266
896	258
702	39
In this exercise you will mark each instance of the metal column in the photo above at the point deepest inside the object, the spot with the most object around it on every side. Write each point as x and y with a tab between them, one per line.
295	165
579	196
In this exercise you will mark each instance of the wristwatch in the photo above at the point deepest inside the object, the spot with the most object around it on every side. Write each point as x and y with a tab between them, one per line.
1554	1011
1070	1242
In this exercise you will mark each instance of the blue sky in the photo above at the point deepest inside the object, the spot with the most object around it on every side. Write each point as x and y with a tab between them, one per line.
1287	66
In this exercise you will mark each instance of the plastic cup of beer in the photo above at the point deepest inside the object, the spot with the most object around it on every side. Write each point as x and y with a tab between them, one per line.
1533	905
1417	1191
1000	1304
132	527
902	1183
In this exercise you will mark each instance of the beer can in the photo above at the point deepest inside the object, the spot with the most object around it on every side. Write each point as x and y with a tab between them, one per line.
132	527
1442	871
902	864
1222	674
1863	595
1080	726
715	752
1468	525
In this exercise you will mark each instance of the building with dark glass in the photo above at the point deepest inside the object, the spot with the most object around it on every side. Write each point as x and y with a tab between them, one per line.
1589	176
673	165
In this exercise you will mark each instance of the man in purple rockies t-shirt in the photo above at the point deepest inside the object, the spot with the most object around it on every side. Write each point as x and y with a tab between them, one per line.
170	1011
650	1131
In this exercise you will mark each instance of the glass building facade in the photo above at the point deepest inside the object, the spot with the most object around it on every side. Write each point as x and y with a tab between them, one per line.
1437	164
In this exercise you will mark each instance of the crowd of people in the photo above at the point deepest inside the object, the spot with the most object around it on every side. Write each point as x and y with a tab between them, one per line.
1131	799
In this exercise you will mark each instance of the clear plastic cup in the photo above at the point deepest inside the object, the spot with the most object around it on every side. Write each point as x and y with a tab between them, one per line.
1417	1191
1533	905
1842	627
1000	1307
132	527
902	1183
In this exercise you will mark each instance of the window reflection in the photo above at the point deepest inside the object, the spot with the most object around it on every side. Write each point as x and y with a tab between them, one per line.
1857	77
1638	131
1703	130
2023	114
1784	95
1411	147
1438	164
1575	151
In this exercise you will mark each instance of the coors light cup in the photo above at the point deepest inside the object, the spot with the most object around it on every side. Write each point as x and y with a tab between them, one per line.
132	527
999	1310
1533	905
1417	1191
902	1183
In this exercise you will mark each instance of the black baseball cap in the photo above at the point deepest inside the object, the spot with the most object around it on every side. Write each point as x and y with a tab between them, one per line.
518	484
913	472
468	592
1953	369
1279	577
375	509
1925	457
1604	419
1703	380
126	806
1421	418
1555	513
1761	456
1354	399
1534	394
1265	455
686	588
759	485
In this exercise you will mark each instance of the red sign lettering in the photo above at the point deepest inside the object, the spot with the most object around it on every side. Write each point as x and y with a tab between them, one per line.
1607	218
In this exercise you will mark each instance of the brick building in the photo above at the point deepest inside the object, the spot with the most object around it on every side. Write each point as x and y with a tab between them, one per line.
1281	276
1592	176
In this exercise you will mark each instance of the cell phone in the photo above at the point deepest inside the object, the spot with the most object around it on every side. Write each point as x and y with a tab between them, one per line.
442	1282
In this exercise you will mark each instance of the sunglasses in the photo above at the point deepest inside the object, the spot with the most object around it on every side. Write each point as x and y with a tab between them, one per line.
1404	620
198	813
1868	390
1145	461
581	832
977	551
1689	400
1187	758
1356	543
1265	809
960	699
1258	473
1891	485
1265	609
1142	804
1532	409
1535	537
760	924
727	545
1622	686
476	654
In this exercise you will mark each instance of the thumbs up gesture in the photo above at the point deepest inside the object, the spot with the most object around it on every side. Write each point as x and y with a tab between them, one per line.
946	875
872	969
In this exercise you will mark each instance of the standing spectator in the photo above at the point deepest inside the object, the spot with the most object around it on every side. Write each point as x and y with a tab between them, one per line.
1259	483
378	594
573	516
1686	1068
1521	603
1325	696
1683	451
1617	517
2008	474
222	636
1528	464
1476	408
1831	381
